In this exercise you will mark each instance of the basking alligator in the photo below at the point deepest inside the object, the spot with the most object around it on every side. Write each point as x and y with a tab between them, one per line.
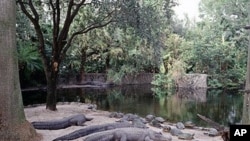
93	129
128	134
77	120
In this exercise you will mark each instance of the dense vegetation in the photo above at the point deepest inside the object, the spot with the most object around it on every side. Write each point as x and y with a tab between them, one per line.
146	36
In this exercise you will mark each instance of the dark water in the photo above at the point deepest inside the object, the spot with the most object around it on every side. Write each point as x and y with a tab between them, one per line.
222	106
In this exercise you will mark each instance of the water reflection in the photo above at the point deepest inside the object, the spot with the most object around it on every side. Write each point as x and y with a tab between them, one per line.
193	94
219	105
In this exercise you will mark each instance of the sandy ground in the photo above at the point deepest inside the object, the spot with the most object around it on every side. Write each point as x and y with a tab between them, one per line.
39	113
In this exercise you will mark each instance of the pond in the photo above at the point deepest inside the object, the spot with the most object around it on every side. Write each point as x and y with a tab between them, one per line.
222	106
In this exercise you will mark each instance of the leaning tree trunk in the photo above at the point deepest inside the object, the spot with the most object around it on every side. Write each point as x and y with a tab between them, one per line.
13	125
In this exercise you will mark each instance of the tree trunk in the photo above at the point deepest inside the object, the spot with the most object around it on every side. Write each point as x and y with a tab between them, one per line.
83	63
51	92
246	106
61	38
51	77
247	86
13	125
246	109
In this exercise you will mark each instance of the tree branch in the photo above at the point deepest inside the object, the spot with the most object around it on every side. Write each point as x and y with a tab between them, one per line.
69	18
35	21
33	10
58	17
56	24
211	122
71	13
85	30
53	15
25	11
96	24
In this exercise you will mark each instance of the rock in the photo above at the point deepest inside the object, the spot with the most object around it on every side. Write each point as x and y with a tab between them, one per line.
213	132
155	123
180	125
130	117
139	123
144	120
186	136
149	118
116	115
160	119
92	106
166	128
175	132
189	124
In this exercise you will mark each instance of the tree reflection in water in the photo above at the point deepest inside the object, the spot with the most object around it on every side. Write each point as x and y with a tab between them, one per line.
219	105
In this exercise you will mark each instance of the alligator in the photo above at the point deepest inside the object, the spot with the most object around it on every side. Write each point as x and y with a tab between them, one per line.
128	134
93	129
77	120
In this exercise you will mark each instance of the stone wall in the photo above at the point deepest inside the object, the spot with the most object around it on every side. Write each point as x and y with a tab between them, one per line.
192	81
186	81
141	78
101	77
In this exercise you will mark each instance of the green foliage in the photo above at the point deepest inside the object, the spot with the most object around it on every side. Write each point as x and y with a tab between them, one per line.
115	49
163	85
214	83
29	58
30	65
117	76
217	44
130	45
162	80
70	67
173	64
29	61
145	37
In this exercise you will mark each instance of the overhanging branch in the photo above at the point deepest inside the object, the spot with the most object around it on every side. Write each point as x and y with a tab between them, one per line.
71	13
25	11
83	31
92	26
34	18
33	10
105	21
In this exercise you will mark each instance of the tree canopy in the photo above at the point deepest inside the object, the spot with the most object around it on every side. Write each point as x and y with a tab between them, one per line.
128	37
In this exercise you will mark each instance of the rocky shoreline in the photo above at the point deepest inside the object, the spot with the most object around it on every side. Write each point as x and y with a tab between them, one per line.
188	130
